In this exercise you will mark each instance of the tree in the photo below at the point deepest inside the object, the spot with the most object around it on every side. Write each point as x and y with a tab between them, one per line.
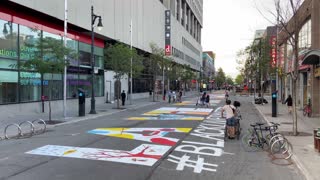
118	58
48	58
287	20
157	62
239	79
186	75
229	80
220	77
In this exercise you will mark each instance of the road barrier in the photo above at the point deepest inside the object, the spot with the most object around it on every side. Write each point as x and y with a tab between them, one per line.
20	133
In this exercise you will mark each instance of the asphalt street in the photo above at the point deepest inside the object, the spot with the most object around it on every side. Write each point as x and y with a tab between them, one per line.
175	149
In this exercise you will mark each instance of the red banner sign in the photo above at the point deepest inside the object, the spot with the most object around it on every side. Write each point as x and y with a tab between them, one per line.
167	50
273	43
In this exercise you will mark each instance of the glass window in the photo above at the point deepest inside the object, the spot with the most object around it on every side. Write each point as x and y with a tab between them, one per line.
8	39
50	37
85	55
8	87
72	44
28	39
53	85
305	36
30	86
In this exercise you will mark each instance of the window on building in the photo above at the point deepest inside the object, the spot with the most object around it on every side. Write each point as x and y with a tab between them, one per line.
183	3
8	44
28	39
8	87
187	18
305	36
178	10
30	86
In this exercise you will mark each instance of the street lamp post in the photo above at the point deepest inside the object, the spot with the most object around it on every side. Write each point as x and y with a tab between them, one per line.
93	19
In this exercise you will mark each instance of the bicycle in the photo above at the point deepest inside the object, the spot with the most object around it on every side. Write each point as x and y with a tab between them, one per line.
307	109
254	139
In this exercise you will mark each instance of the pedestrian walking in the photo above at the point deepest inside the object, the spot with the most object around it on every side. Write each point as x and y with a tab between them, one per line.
150	93
123	97
164	94
289	103
180	96
169	96
208	100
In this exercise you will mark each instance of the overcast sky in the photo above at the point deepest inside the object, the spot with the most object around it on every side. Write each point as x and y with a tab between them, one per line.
229	26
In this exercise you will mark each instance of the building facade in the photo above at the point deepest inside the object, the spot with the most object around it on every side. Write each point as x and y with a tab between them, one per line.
308	26
135	22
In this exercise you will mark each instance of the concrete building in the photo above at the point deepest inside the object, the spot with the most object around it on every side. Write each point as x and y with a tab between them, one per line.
208	64
136	22
308	26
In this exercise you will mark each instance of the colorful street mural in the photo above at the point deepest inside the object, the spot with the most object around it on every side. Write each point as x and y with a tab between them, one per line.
175	110
145	154
168	117
154	135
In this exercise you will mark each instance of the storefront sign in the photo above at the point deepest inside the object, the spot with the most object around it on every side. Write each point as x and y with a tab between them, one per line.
317	72
167	32
273	42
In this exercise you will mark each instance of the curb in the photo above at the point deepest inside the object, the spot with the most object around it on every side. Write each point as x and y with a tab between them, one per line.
97	116
297	161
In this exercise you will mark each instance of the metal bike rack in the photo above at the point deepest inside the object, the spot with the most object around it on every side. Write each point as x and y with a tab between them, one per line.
31	126
14	124
44	124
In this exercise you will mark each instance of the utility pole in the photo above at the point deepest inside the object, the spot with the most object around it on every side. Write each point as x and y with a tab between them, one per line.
65	58
131	62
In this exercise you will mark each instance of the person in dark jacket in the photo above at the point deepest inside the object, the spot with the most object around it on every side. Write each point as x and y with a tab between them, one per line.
289	103
123	97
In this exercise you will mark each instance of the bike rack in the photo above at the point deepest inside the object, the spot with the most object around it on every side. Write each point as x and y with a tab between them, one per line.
14	124
20	133
44	124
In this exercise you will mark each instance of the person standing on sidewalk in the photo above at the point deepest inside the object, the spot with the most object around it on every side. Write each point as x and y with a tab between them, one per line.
289	103
123	97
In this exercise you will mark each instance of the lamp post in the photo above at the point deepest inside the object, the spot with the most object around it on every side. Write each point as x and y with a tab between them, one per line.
93	19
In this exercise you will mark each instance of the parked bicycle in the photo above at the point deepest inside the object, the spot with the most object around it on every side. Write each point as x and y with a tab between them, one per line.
261	136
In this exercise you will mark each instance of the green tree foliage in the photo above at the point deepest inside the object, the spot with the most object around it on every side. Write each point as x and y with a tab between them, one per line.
49	58
239	79
118	58
220	78
229	80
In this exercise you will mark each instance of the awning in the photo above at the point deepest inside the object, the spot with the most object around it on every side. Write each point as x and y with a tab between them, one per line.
312	57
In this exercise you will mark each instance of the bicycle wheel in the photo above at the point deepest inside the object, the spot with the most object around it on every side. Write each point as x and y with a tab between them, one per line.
250	142
279	146
271	138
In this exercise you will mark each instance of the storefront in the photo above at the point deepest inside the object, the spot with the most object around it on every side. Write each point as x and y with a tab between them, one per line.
312	58
19	30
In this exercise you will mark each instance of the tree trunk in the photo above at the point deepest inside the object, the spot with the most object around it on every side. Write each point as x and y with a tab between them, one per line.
50	97
294	106
118	93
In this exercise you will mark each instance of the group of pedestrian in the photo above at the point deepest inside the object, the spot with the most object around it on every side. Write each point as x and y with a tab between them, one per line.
172	95
205	99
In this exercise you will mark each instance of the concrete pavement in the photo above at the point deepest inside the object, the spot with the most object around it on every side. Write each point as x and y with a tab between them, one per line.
102	109
305	155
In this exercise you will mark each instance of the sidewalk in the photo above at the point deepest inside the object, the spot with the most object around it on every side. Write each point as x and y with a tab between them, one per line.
305	155
102	109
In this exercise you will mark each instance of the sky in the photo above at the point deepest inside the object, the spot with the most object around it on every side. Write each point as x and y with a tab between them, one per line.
229	26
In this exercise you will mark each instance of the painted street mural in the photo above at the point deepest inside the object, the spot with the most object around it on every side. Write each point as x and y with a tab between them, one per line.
175	110
154	135
212	129
168	117
145	154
